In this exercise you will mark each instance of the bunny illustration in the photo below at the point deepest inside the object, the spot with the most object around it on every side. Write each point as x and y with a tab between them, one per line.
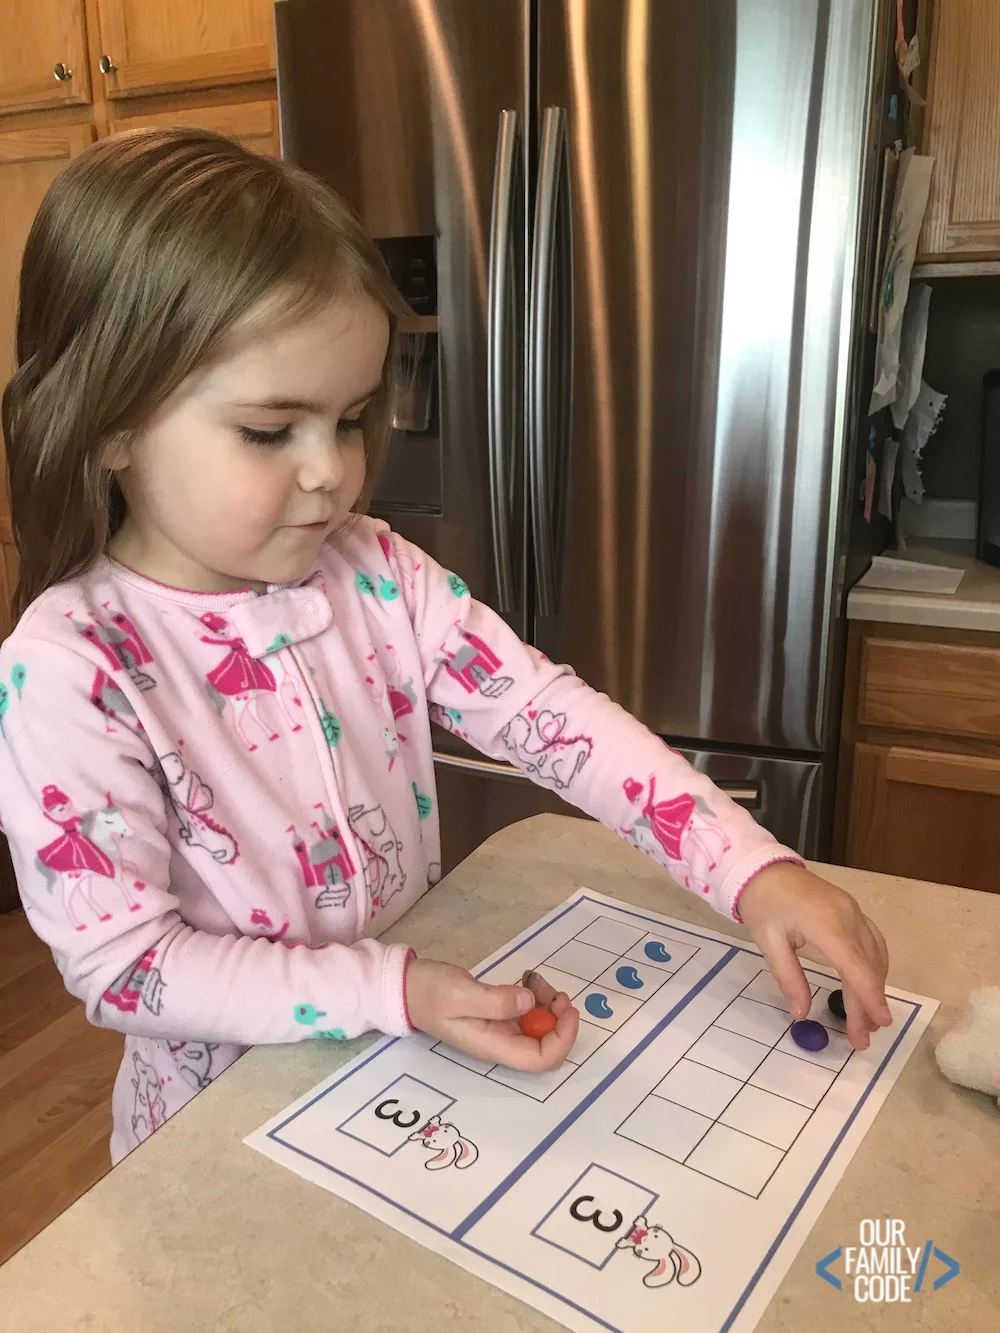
447	1145
656	1245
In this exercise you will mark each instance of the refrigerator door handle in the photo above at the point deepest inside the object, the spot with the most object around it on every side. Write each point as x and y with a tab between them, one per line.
488	768
499	376
549	357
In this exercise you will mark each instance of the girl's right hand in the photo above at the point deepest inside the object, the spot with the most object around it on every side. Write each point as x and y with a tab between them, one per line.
450	1004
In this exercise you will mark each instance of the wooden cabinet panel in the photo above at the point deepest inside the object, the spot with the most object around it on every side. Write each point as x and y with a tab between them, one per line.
36	37
29	161
926	815
185	44
936	688
254	124
962	132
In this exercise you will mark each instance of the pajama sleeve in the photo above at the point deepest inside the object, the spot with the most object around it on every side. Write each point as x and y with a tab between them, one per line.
64	775
509	701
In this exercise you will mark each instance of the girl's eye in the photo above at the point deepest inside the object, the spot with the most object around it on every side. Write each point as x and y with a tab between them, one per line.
347	426
254	436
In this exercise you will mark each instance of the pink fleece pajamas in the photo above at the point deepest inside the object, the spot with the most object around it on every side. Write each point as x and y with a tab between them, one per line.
216	802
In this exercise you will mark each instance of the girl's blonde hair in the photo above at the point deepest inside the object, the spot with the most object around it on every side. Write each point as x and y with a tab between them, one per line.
146	251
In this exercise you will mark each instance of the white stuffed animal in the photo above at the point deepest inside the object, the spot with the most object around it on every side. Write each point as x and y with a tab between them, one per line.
970	1053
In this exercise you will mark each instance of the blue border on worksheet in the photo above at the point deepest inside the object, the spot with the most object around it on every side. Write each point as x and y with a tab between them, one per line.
458	1233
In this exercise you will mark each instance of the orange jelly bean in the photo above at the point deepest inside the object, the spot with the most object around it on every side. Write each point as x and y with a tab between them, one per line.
537	1023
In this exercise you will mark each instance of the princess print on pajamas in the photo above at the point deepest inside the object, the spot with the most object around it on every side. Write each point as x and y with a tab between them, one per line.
246	683
75	860
684	829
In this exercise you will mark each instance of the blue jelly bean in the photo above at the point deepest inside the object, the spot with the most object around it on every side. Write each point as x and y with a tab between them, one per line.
597	1006
656	953
628	976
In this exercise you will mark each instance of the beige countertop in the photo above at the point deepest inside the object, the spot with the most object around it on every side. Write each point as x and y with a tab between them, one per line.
196	1231
974	606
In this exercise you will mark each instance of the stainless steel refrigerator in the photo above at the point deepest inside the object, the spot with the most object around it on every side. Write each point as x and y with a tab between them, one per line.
635	236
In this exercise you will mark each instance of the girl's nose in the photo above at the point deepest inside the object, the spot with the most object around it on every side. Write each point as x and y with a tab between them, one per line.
323	467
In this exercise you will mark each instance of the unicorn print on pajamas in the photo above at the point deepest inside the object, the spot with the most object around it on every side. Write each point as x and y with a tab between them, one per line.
81	860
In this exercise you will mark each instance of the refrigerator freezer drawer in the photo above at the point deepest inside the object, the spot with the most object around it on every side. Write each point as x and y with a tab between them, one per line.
478	797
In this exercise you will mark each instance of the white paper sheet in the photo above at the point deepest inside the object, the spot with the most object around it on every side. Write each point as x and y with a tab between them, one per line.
911	576
665	1176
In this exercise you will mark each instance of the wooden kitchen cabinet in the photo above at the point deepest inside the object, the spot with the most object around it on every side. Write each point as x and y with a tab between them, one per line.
40	39
30	160
926	814
184	44
254	124
919	782
962	132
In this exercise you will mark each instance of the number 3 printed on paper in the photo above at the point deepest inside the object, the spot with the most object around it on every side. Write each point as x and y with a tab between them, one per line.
592	1213
386	1121
614	1220
389	1110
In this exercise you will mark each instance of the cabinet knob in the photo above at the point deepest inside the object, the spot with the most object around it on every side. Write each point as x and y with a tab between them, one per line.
61	71
106	65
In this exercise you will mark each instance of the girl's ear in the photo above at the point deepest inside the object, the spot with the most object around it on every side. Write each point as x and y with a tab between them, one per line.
116	455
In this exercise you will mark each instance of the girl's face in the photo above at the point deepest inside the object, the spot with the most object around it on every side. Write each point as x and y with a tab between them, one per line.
243	473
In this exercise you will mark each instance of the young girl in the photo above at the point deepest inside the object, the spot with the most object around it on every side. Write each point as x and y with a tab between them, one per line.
211	812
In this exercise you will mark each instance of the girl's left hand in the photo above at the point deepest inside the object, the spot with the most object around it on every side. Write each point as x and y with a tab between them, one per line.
786	908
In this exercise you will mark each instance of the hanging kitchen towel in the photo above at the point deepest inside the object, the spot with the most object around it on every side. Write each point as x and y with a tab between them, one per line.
912	186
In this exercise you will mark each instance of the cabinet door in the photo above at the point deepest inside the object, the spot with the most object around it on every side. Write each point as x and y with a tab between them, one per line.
962	132
254	124
926	814
29	161
184	44
43	55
